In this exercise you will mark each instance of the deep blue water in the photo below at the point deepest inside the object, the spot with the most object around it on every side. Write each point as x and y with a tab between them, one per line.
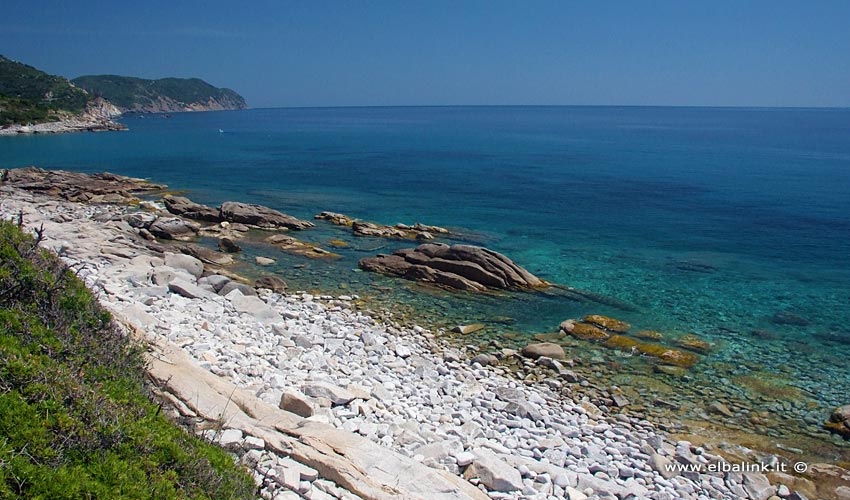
706	220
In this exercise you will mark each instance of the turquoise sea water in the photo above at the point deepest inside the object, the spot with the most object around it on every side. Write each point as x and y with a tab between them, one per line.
703	220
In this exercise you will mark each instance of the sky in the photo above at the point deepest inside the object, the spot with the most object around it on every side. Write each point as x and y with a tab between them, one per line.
406	52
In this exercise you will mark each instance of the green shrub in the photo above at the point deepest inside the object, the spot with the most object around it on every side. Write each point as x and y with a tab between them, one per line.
75	419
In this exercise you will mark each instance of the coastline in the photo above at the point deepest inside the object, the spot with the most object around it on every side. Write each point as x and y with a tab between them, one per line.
420	396
62	127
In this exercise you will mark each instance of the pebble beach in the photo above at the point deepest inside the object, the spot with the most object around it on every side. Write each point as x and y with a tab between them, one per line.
400	386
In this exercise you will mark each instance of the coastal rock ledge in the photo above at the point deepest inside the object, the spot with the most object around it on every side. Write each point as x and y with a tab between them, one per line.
459	267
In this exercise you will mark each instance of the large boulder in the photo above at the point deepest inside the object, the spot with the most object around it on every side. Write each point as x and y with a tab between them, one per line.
493	472
184	207
260	216
463	267
187	263
174	228
548	349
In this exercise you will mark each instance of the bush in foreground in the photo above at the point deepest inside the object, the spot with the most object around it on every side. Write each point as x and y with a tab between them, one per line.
75	420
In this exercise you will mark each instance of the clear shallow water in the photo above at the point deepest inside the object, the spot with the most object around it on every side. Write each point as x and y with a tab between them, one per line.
704	220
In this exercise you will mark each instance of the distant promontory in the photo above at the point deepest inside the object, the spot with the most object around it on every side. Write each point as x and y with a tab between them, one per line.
165	95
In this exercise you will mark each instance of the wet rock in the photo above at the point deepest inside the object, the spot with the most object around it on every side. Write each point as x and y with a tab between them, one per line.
228	245
788	318
610	324
466	329
693	343
649	335
184	207
295	246
260	216
584	331
493	472
174	228
839	422
335	218
484	359
264	261
719	408
547	349
273	283
463	267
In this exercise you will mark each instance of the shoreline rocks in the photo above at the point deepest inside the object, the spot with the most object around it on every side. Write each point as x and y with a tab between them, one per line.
416	408
417	231
459	267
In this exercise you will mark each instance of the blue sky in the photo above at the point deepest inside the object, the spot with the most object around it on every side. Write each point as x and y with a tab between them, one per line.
323	53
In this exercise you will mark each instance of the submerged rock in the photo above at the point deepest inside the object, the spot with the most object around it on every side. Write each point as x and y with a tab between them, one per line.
272	283
788	318
584	331
693	343
461	267
466	329
610	324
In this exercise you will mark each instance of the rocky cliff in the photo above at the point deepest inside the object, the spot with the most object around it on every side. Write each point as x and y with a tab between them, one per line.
165	95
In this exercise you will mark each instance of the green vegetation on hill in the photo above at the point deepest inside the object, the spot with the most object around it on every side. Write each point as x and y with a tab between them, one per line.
28	95
75	421
138	94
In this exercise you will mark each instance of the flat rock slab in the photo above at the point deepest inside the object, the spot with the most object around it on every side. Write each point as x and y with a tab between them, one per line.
188	290
353	462
494	473
253	306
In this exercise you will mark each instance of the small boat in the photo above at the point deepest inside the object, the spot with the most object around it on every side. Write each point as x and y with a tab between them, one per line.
220	131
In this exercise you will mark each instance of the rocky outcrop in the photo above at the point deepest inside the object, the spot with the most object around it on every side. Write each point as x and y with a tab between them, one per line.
165	95
76	186
173	228
399	231
184	207
839	421
260	216
461	267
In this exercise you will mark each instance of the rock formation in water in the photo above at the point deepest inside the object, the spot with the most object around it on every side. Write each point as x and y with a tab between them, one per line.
461	267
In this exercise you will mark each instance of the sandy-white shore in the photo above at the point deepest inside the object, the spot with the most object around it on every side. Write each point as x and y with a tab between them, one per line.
397	386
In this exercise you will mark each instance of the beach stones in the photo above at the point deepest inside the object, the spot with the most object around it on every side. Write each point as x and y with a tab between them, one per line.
544	349
260	216
839	421
461	267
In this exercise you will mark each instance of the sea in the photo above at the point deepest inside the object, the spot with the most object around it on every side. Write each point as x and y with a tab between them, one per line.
731	224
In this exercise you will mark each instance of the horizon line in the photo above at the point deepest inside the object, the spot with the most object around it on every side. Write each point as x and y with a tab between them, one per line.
701	106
